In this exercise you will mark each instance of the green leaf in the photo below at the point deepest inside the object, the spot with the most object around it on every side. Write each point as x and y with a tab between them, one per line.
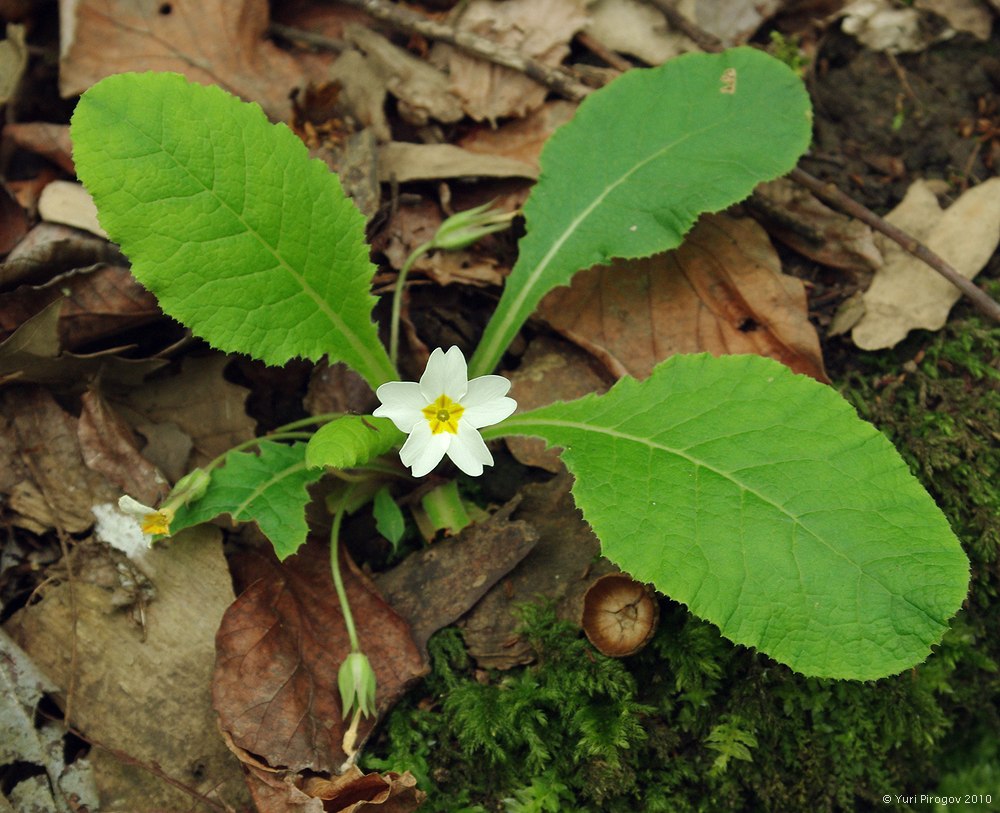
388	517
228	222
641	159
268	488
758	498
351	441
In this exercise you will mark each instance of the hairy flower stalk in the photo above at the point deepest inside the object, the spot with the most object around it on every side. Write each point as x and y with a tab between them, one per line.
443	413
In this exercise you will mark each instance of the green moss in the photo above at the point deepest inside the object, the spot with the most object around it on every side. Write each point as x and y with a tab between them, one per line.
694	723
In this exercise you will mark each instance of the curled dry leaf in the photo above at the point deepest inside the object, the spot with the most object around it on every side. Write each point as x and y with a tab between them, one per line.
722	292
537	28
421	90
279	650
98	303
620	615
50	249
836	241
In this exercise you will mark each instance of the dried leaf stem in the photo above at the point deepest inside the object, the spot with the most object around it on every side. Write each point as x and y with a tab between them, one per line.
404	19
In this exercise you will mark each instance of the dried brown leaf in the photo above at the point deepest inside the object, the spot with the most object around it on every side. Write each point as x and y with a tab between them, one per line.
551	370
214	42
13	221
721	292
840	241
906	294
403	162
197	400
434	587
98	302
33	354
521	139
143	691
279	650
43	138
108	446
50	249
562	565
42	471
537	28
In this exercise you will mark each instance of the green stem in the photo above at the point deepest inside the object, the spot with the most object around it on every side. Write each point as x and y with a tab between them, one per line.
397	298
249	444
338	582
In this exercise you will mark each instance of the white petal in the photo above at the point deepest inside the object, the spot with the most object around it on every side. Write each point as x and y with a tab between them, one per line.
422	450
488	413
446	373
468	450
485	388
134	508
402	403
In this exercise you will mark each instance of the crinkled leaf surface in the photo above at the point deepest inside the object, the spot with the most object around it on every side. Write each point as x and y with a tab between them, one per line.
642	158
225	218
268	488
758	498
352	440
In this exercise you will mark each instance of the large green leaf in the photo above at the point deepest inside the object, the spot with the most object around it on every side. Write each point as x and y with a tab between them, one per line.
224	217
758	498
269	488
641	159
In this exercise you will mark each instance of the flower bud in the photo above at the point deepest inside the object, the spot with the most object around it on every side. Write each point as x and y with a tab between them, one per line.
190	488
465	228
356	681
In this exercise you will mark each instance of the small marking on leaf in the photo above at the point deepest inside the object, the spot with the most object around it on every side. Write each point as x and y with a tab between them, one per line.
633	228
728	80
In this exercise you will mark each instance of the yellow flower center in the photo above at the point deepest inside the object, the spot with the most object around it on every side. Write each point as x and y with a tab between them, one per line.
157	522
443	414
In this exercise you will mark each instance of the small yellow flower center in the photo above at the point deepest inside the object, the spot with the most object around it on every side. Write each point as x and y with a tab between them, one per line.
157	522
443	414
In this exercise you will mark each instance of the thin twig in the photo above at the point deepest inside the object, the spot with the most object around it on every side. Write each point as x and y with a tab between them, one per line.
404	19
702	38
308	37
829	193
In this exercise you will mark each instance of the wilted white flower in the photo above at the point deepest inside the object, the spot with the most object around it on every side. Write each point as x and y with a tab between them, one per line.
153	521
443	412
156	521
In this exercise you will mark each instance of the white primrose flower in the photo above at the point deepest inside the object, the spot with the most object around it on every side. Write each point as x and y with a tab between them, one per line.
443	412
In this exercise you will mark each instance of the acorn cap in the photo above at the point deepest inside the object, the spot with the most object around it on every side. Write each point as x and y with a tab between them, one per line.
619	615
